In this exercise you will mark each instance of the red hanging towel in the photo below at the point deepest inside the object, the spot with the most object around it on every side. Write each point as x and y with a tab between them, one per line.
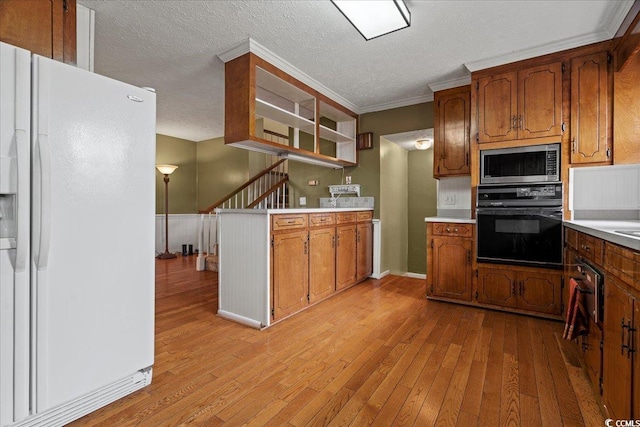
576	323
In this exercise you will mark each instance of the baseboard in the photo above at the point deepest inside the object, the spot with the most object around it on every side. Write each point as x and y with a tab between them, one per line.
415	275
381	275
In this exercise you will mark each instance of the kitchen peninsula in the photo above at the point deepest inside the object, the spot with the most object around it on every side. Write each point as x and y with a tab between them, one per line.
274	263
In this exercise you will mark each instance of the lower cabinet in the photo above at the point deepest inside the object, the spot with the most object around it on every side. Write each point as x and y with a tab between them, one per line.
449	259
364	250
534	290
346	263
290	272
322	263
314	255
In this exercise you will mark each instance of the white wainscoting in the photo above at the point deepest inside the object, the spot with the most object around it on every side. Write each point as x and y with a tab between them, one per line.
183	230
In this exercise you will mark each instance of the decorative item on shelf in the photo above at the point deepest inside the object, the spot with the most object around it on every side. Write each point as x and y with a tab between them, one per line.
375	18
364	141
424	144
166	170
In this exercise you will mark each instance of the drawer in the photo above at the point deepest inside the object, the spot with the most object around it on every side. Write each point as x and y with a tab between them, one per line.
622	263
452	229
345	217
365	216
322	219
288	221
571	238
591	248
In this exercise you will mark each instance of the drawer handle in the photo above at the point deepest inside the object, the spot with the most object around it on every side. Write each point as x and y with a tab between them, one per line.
291	221
455	230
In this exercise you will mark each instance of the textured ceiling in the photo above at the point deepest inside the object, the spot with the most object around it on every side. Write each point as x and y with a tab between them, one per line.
173	47
407	140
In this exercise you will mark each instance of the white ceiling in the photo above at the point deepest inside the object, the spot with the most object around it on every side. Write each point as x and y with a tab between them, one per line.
407	140
173	47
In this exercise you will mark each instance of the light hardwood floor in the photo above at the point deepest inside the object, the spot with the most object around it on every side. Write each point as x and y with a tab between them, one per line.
378	353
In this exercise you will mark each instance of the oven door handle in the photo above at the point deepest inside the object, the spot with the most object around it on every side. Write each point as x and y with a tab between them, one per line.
554	214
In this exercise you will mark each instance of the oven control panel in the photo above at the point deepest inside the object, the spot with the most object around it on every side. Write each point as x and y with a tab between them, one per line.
549	195
545	191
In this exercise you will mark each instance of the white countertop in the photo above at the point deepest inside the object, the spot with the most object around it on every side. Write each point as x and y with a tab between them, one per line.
449	219
289	211
607	230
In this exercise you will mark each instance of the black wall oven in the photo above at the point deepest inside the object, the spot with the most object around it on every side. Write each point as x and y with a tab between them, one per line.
520	224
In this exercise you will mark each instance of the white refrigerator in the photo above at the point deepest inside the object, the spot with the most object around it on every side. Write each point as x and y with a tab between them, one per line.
77	209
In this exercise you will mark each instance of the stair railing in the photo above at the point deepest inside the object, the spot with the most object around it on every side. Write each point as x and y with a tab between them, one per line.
254	188
267	189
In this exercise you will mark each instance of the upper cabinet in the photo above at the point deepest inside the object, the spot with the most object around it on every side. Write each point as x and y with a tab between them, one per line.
45	27
591	108
267	110
451	132
521	104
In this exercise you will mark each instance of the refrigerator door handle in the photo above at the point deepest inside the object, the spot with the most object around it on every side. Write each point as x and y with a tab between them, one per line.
22	198
44	214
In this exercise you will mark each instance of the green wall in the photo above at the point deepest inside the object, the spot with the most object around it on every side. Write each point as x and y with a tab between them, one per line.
182	182
368	173
221	170
393	206
422	203
401	182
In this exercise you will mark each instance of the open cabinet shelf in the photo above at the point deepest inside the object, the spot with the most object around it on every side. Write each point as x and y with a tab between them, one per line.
261	99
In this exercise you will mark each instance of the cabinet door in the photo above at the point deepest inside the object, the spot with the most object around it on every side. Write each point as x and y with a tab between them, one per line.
322	263
346	237
540	292
496	287
452	267
540	101
364	250
451	146
290	272
590	114
497	108
618	311
592	353
45	28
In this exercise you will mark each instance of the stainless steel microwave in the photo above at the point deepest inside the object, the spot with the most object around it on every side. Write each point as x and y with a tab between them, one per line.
532	163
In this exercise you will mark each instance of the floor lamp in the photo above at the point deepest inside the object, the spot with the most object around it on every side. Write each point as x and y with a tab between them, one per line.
166	170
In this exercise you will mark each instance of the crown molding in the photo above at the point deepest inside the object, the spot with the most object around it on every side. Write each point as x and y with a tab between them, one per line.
619	12
448	84
397	104
250	45
540	50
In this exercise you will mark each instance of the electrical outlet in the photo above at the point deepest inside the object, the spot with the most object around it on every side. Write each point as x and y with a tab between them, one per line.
303	201
312	182
449	200
348	179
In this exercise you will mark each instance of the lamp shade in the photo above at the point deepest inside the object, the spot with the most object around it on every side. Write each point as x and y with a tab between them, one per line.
166	169
376	17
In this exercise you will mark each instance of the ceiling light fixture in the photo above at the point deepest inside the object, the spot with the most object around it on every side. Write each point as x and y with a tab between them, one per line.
424	144
375	18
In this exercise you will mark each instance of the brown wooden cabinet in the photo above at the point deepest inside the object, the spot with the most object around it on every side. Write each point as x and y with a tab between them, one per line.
451	148
322	256
449	257
523	288
520	105
625	111
258	93
364	250
346	261
591	108
290	272
45	27
314	255
620	351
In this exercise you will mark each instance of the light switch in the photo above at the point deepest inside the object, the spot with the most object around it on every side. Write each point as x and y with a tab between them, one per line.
303	201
